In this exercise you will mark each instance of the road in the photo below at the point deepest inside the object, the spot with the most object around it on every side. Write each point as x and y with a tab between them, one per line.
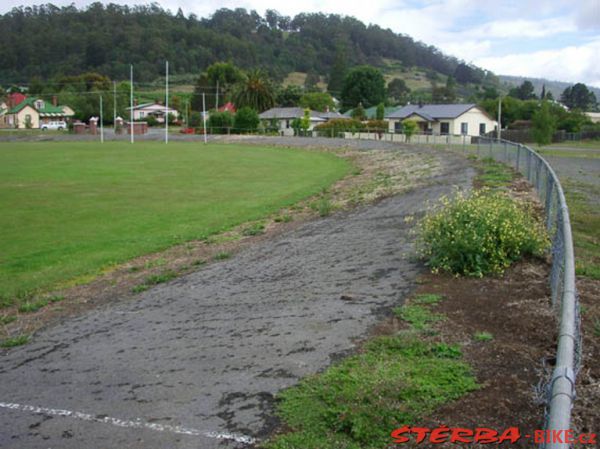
196	363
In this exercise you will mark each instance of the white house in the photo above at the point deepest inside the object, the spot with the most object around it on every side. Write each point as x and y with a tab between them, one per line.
141	112
443	119
285	116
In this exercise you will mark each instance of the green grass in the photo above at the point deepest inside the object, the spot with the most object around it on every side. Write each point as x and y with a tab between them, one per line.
394	380
7	319
483	336
585	223
14	341
34	306
427	298
494	174
418	316
222	256
254	229
161	278
72	209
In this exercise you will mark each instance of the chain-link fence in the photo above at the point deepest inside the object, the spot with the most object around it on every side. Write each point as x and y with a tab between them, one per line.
560	389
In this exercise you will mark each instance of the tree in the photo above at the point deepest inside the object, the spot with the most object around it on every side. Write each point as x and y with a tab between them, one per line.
338	71
305	121
398	91
358	113
311	81
364	85
255	91
289	96
579	96
246	120
524	92
318	101
409	127
544	125
225	74
380	111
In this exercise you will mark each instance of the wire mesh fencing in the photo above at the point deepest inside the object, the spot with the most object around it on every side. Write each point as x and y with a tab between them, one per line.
560	385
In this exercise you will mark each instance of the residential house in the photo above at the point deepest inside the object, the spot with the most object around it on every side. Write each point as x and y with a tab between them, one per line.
141	112
284	117
228	107
443	119
593	116
33	113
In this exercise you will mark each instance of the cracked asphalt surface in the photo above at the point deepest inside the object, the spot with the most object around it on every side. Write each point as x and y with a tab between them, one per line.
209	351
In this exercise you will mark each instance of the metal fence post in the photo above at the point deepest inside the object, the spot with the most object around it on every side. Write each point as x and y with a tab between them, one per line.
518	156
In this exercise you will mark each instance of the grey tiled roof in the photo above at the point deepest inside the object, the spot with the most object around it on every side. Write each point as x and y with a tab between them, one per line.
289	113
431	111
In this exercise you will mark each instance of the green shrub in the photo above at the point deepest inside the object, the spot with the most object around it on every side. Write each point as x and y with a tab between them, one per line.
246	120
339	125
480	234
220	122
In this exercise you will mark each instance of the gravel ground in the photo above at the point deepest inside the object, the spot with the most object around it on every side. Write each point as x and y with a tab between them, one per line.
196	362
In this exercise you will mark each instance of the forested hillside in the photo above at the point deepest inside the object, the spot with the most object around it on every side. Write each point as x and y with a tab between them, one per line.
47	41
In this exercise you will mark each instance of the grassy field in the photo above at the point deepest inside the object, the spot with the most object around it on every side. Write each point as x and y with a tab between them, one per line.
70	210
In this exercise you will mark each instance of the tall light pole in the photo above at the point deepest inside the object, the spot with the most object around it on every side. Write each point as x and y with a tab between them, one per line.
131	103
167	102
101	121
499	117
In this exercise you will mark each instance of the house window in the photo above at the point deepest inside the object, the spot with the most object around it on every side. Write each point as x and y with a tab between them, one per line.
287	124
481	129
444	128
398	127
142	114
464	128
39	104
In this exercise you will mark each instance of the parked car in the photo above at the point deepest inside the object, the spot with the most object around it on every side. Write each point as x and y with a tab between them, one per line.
53	126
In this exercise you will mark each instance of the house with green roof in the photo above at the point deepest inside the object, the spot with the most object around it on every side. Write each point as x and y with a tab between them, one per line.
33	113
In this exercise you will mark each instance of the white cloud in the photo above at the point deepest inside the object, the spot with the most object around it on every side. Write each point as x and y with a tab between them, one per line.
588	15
573	64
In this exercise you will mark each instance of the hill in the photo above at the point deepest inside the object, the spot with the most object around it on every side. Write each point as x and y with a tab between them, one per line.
106	39
556	87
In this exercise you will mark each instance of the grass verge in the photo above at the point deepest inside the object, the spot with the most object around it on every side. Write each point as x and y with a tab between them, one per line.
585	222
394	380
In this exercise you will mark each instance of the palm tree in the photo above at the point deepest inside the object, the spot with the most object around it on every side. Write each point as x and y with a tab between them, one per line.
255	91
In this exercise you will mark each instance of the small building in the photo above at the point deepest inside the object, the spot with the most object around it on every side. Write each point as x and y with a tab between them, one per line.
443	119
285	116
228	107
33	113
593	116
141	112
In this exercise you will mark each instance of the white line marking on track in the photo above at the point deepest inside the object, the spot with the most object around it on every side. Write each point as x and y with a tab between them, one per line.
137	424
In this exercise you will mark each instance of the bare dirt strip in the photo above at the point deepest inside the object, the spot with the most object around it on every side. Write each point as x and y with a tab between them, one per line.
195	363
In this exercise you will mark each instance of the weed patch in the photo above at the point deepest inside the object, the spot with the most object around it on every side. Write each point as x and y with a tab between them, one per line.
222	256
7	319
161	278
34	306
483	336
15	341
254	229
418	316
479	234
356	403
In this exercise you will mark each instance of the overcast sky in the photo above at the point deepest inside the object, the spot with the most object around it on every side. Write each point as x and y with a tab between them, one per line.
554	39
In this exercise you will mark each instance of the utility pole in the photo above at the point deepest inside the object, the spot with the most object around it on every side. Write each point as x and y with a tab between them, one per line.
499	117
167	104
114	105
204	114
131	103
101	122
217	99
